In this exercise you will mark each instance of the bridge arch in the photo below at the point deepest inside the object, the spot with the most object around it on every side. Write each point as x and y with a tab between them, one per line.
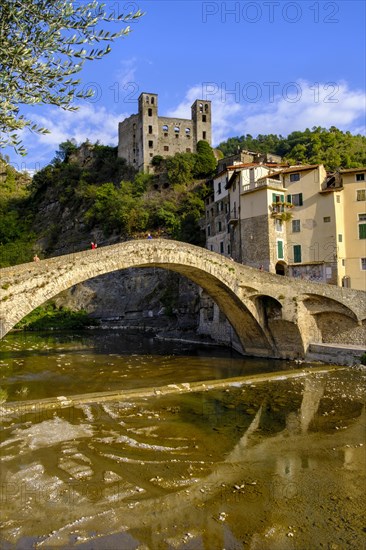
264	309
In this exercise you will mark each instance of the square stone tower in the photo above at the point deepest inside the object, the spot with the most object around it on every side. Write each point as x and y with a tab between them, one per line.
145	134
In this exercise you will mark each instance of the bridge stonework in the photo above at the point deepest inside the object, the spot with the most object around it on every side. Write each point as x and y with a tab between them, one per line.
273	316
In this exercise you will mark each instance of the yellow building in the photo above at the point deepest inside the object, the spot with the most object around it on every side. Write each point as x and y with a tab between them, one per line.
353	227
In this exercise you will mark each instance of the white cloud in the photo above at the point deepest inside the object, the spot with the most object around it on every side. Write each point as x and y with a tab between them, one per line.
260	108
88	122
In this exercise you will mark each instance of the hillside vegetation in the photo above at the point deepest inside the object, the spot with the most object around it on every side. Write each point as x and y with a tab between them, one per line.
88	193
333	148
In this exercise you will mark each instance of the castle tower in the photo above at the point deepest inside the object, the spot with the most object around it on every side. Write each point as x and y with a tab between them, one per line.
148	128
201	119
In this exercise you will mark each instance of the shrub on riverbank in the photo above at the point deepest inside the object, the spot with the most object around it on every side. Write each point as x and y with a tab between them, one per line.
49	316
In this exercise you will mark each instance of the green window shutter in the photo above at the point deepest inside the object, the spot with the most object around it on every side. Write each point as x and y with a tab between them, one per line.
289	198
282	198
273	197
362	231
300	199
297	253
280	250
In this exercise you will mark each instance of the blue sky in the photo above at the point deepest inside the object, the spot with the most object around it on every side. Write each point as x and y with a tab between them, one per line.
267	66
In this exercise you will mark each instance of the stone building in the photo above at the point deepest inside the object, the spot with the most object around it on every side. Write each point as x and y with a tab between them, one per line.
146	134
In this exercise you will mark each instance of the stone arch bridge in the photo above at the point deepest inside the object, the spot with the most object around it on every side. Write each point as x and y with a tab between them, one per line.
273	316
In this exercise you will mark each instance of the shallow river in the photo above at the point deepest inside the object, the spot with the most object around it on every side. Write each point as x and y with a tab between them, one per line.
116	441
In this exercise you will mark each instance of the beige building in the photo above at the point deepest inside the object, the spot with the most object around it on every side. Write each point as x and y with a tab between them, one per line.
297	221
145	134
352	227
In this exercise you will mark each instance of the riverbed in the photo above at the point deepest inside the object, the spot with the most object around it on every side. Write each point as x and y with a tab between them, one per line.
196	447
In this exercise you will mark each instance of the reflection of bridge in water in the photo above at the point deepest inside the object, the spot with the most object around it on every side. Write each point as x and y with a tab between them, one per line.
273	316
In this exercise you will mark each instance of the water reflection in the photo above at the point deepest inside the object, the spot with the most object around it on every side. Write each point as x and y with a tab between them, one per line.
273	465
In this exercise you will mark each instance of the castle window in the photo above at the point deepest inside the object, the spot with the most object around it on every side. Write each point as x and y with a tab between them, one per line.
206	107
151	144
203	118
147	99
165	128
188	131
149	112
203	135
166	147
188	150
176	129
200	107
152	100
150	129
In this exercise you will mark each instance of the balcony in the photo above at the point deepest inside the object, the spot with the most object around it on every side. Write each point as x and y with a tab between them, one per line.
232	216
265	182
280	211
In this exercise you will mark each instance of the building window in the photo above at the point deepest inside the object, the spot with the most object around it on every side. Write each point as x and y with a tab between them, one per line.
211	247
340	238
149	112
221	247
203	135
208	231
219	188
280	250
229	251
203	118
360	177
326	219
361	195
362	226
363	264
220	227
152	100
343	263
295	177
279	226
166	147
296	199
165	128
200	107
278	198
297	253
176	129
295	226
221	206
150	129
188	131
188	150
338	198
151	144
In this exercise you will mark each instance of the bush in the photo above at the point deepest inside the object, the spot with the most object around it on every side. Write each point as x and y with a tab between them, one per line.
49	316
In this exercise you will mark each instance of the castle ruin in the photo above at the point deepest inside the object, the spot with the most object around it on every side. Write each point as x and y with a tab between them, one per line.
145	134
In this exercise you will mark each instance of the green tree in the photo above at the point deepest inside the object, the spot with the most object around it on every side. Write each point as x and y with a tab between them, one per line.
43	45
205	162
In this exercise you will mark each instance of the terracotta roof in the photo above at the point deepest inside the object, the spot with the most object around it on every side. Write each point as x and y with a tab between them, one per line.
350	170
249	164
300	168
